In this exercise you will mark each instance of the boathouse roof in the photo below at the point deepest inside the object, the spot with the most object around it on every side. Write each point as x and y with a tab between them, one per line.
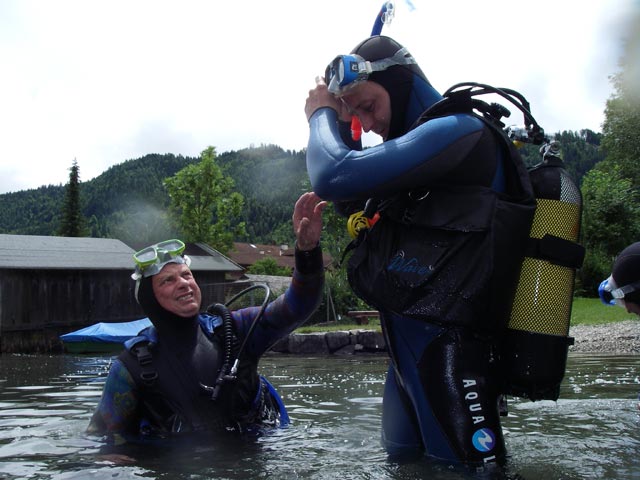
71	253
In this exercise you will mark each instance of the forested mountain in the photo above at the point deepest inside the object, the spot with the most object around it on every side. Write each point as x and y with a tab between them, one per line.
270	180
108	200
31	212
580	152
129	201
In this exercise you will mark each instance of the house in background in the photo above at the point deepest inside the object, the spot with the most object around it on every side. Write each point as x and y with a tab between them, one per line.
52	285
246	254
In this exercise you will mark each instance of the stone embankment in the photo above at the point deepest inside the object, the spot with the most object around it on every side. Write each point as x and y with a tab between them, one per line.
612	338
343	342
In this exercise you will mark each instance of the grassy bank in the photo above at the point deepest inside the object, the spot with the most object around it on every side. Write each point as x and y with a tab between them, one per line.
585	311
591	311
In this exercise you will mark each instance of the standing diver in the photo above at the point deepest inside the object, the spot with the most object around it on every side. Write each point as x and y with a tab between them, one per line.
442	261
174	378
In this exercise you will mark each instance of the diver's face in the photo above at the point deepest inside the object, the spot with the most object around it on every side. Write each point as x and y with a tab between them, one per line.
176	290
371	103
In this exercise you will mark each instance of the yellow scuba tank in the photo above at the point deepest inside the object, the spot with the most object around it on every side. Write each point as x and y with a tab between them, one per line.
537	340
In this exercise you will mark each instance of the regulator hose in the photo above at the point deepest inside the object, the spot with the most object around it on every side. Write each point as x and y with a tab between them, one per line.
226	373
229	370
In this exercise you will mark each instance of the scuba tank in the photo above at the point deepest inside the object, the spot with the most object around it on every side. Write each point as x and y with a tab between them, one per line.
536	343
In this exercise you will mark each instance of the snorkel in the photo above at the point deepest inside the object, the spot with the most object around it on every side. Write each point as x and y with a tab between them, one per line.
384	16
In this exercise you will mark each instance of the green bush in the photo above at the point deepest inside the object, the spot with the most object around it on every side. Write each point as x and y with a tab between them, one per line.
268	266
595	268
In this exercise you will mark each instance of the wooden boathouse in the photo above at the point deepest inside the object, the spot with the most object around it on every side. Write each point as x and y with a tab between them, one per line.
53	285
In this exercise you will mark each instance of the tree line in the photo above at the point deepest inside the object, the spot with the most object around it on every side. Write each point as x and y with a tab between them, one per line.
130	201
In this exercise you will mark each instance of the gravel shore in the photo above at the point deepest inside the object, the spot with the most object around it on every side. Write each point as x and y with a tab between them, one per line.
612	338
617	338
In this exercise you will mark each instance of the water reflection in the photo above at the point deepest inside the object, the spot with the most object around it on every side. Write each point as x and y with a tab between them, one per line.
593	431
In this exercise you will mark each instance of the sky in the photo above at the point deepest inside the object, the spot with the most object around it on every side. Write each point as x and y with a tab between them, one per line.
102	82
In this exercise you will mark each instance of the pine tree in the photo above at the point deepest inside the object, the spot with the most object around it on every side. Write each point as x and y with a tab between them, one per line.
73	223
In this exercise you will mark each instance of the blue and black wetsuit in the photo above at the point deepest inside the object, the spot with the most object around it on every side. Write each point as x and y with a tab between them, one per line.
440	264
157	385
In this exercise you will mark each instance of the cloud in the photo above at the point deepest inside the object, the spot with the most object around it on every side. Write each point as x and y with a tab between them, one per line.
106	82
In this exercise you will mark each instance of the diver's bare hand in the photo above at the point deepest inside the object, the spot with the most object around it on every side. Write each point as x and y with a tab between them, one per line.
307	220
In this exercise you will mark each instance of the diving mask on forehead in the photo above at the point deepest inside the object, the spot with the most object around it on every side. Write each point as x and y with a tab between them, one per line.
150	260
348	70
611	294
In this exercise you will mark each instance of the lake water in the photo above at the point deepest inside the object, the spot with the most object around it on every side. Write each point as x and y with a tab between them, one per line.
593	431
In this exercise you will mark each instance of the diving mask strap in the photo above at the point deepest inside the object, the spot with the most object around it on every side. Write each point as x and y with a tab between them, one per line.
621	292
401	57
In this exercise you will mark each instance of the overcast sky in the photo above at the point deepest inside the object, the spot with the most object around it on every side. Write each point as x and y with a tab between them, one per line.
103	82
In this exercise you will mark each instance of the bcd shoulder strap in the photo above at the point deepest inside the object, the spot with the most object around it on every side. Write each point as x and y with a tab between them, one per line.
140	348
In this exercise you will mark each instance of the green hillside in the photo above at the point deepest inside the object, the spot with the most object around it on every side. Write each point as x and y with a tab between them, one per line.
129	201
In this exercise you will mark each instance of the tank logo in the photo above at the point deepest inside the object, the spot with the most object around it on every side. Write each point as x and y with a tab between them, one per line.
399	263
484	440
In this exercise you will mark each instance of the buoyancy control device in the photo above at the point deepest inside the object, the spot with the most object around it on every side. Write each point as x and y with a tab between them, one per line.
535	346
537	341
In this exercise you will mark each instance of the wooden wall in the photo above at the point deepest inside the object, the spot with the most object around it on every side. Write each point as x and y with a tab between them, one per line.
37	306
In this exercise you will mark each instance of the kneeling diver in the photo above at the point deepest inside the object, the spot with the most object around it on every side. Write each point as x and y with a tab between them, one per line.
173	378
